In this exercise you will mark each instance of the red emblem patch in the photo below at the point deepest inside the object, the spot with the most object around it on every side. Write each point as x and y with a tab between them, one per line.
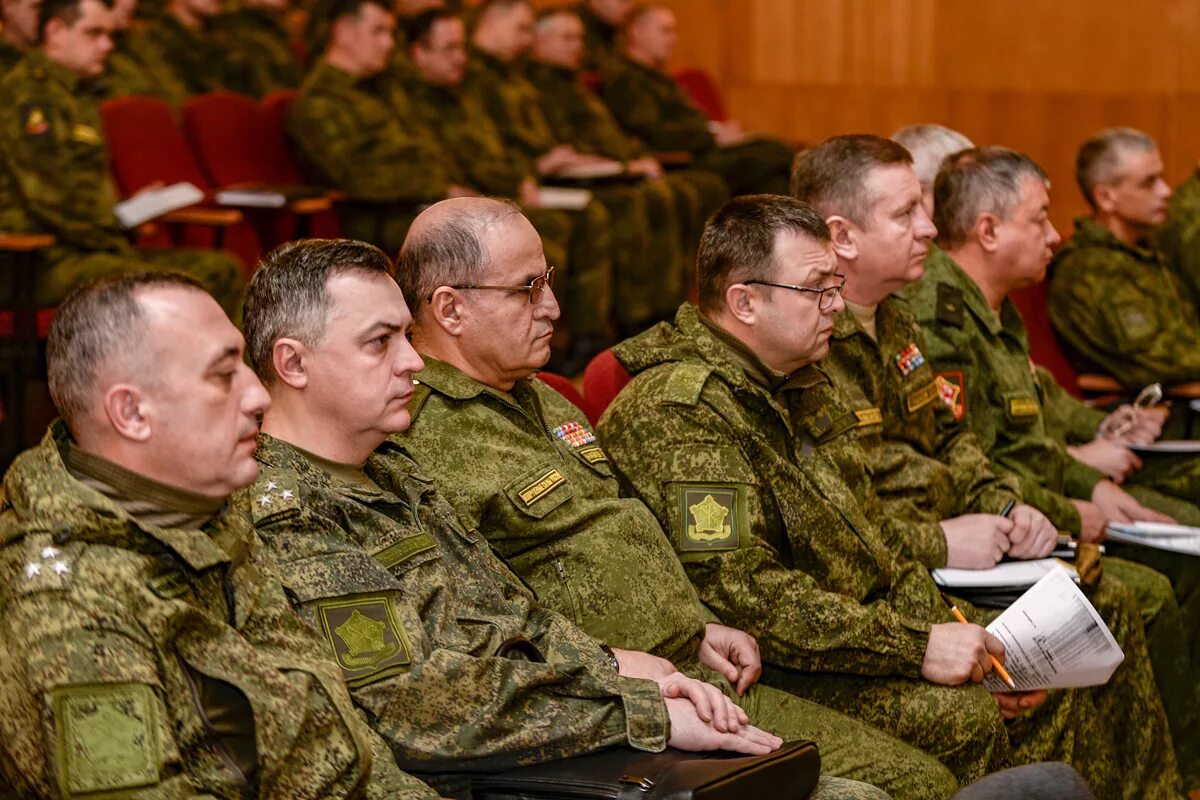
953	391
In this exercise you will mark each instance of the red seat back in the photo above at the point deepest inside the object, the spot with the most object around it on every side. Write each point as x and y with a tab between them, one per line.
146	144
564	387
703	90
236	142
593	80
603	380
275	107
1043	342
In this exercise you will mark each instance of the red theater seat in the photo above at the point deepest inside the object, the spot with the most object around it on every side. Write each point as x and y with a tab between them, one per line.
603	380
564	387
703	90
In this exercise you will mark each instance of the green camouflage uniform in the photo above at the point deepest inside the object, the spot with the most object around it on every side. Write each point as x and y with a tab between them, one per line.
926	468
9	56
193	59
126	73
475	145
487	449
649	104
414	607
1177	239
1120	310
766	493
54	179
599	40
1000	398
650	274
147	661
264	61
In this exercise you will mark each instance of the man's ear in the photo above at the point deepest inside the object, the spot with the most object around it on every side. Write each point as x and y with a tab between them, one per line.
447	310
844	234
985	231
125	408
741	302
287	359
1105	198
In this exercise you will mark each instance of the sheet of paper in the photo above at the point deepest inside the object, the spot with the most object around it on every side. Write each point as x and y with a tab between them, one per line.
563	199
1153	529
1188	543
147	205
1008	573
1166	446
1054	639
251	198
595	169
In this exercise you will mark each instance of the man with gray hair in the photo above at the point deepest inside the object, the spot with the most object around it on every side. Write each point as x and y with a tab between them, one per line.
929	144
146	645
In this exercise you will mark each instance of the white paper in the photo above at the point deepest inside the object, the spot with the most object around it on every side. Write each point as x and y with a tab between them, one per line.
1153	529
1054	639
151	203
592	169
1008	573
563	199
1161	536
1166	446
251	198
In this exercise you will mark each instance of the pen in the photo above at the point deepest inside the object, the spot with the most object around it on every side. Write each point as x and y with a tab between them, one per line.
1008	507
1000	670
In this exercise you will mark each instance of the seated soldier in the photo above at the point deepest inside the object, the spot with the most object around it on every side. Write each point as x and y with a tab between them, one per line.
55	178
929	144
126	73
180	43
147	648
18	31
602	23
1179	237
479	430
255	35
1117	304
646	100
449	654
746	453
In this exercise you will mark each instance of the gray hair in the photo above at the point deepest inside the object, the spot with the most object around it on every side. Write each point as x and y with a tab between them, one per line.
99	324
977	181
448	252
929	145
289	294
1101	157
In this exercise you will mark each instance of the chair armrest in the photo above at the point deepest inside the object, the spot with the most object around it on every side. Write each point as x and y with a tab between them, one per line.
211	217
674	158
25	242
1092	383
1184	391
310	205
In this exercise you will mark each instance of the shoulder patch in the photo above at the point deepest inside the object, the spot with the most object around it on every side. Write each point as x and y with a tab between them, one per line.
710	516
34	120
274	497
420	394
107	737
952	389
686	382
950	305
368	642
1137	323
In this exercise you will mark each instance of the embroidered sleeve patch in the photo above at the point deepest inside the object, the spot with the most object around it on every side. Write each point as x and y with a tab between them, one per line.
951	388
1023	407
107	737
1136	323
541	487
86	134
35	121
922	396
710	517
368	643
869	416
403	550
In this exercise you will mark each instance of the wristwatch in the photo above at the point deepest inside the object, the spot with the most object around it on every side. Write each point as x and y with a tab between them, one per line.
612	658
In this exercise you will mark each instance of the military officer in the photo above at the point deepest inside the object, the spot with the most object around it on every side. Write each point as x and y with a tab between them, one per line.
146	645
747	455
180	42
602	22
56	179
19	32
1177	239
929	144
127	72
255	33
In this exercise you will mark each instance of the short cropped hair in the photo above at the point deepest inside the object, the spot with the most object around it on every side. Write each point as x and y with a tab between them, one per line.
977	181
638	13
452	253
289	294
418	28
831	176
66	10
929	145
100	323
738	243
1100	158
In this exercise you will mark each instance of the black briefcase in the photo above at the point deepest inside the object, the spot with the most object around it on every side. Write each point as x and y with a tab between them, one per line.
790	773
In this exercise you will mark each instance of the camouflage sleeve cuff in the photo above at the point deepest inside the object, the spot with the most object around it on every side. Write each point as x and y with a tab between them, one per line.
1079	480
929	544
1058	509
916	642
647	726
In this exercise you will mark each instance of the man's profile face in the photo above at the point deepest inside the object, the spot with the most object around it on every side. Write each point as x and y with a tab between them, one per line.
21	20
123	11
369	35
656	36
792	328
1026	239
514	31
360	373
200	400
204	8
442	58
560	41
895	235
613	12
82	47
1140	195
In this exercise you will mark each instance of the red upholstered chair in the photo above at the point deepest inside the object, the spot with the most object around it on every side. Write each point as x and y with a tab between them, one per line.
275	106
1043	341
703	90
564	387
603	380
22	326
593	80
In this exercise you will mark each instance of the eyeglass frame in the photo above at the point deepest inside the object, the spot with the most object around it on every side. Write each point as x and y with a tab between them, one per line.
547	279
821	303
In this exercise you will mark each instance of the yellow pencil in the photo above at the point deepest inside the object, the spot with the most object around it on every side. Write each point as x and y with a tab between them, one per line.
1000	670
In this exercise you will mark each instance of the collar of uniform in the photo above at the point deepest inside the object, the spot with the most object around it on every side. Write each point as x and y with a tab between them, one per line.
329	75
1089	233
485	60
747	360
447	379
941	267
285	457
38	60
537	68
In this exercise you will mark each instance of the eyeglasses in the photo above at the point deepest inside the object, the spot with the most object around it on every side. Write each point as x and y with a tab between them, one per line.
826	295
535	287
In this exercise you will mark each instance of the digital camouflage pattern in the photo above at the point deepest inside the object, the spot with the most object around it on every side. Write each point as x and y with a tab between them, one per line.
603	560
650	105
434	607
1118	310
767	493
54	178
112	634
926	467
264	61
1179	237
192	58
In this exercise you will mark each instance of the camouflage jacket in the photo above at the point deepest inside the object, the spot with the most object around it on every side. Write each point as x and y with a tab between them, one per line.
111	631
926	467
193	59
524	468
599	40
1118	309
650	105
264	61
578	117
512	102
767	496
126	73
1179	237
353	134
415	608
1068	419
986	358
55	176
9	56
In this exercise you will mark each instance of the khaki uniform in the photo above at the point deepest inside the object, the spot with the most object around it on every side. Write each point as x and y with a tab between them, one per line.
263	58
136	661
765	492
55	180
649	104
1178	239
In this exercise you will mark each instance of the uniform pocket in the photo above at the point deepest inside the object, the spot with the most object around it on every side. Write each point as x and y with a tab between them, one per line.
540	490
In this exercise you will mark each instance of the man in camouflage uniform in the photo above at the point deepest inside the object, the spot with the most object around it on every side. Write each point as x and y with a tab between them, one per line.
602	22
455	663
127	72
255	33
147	648
54	174
1178	240
647	102
180	41
650	273
19	33
1113	298
747	455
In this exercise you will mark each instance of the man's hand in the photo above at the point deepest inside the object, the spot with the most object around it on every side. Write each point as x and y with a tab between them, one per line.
1134	425
727	133
1092	522
689	732
711	704
528	194
1032	535
557	158
1117	505
958	653
976	541
646	166
636	664
1012	704
732	653
1114	460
